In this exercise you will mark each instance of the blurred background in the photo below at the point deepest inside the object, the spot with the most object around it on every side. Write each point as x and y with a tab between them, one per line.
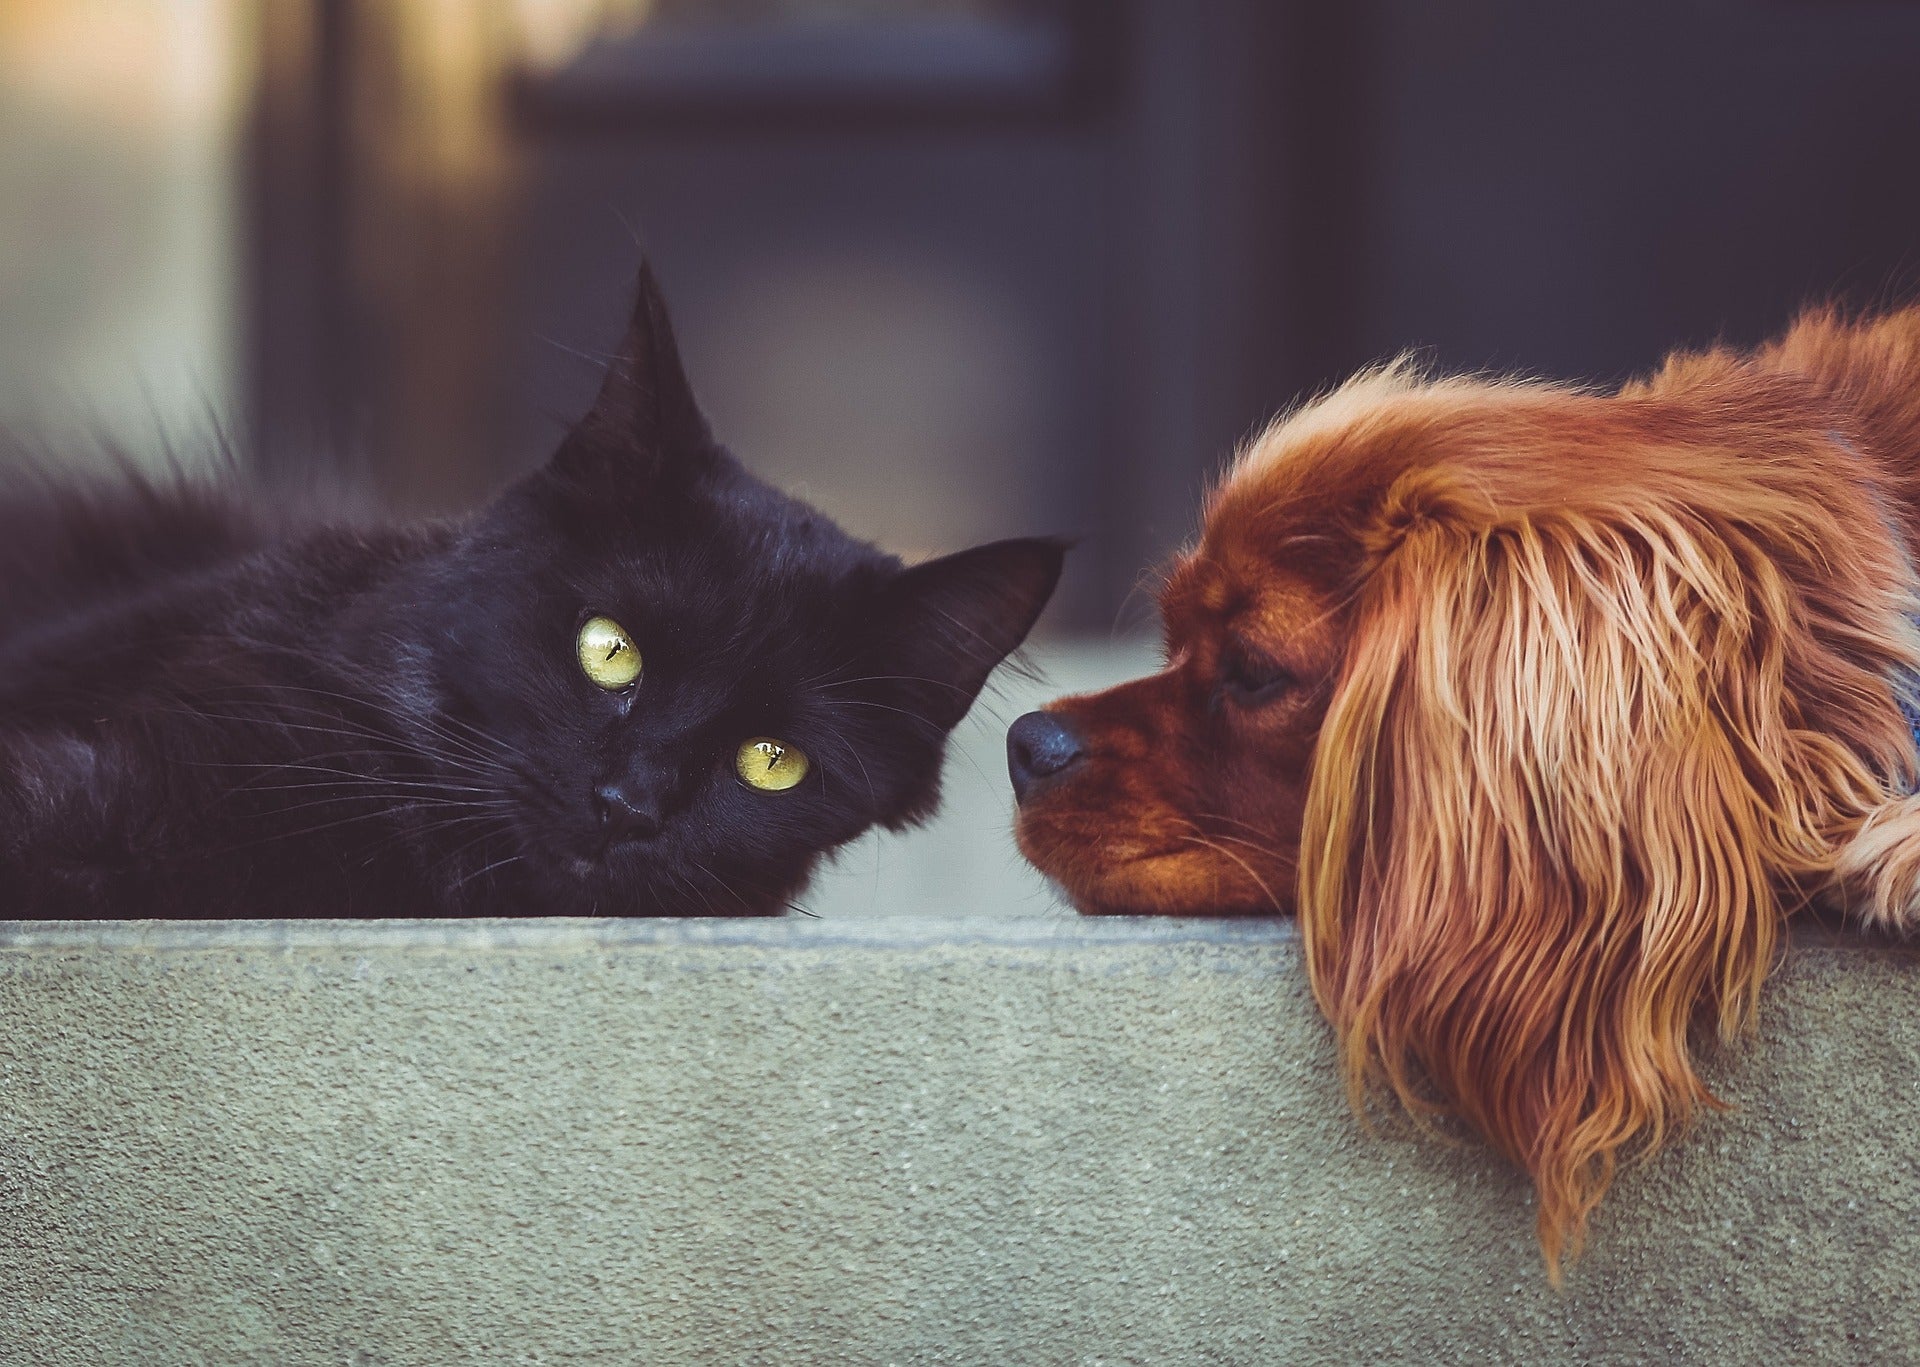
951	269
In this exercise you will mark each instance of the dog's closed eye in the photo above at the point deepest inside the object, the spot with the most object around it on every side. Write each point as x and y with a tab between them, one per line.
1249	678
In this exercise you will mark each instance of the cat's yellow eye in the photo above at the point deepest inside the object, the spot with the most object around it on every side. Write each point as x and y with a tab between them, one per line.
769	765
608	655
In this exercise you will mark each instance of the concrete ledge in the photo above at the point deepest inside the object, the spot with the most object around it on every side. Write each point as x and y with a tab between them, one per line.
883	1141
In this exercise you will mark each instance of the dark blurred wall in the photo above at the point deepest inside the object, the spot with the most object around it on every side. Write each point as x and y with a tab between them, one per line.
893	259
954	319
913	331
1045	276
1574	188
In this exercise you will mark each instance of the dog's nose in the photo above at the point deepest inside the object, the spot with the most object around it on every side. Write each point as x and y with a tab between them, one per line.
626	812
1040	747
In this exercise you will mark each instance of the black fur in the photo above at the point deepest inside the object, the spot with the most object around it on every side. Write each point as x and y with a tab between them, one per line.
207	709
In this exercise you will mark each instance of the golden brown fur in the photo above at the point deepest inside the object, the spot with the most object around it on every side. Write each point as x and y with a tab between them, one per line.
1544	709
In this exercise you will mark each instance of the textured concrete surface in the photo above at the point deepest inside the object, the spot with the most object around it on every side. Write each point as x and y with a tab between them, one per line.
871	1142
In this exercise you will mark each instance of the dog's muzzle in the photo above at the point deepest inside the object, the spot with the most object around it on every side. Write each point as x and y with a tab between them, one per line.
1040	750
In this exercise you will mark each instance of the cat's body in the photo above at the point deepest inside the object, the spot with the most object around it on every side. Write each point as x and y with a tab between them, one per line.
211	709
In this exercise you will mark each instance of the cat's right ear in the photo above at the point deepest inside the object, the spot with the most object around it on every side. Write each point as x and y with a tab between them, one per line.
645	416
948	622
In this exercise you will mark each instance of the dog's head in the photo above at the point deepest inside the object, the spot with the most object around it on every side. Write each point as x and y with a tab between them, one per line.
1534	703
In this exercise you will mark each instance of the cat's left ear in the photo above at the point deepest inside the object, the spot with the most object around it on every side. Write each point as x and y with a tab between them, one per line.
947	623
645	415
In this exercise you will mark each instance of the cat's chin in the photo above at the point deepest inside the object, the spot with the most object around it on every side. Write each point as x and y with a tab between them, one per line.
630	883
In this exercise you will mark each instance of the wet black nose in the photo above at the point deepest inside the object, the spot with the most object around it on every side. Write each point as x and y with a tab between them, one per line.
1040	747
626	813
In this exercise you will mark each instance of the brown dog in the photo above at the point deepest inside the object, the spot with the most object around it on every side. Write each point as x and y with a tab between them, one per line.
1543	708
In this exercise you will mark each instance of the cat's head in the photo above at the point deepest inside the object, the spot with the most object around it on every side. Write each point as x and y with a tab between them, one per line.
687	686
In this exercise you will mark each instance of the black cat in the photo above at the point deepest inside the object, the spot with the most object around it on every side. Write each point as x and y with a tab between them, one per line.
640	682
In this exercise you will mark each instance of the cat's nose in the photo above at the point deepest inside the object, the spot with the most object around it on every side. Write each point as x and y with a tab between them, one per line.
1040	748
626	812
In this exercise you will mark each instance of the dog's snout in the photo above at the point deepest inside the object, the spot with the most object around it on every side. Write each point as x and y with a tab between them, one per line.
1040	747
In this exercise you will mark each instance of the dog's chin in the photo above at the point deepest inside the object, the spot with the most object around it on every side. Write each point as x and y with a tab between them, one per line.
1209	911
1124	876
1088	904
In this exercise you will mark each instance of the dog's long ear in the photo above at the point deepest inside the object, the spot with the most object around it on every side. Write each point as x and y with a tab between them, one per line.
1559	782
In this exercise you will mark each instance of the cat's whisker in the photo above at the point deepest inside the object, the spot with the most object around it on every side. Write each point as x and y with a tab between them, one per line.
485	870
371	700
348	776
463	748
387	808
813	681
300	833
706	902
275	722
747	908
452	857
303	766
387	751
892	678
846	746
408	832
915	717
